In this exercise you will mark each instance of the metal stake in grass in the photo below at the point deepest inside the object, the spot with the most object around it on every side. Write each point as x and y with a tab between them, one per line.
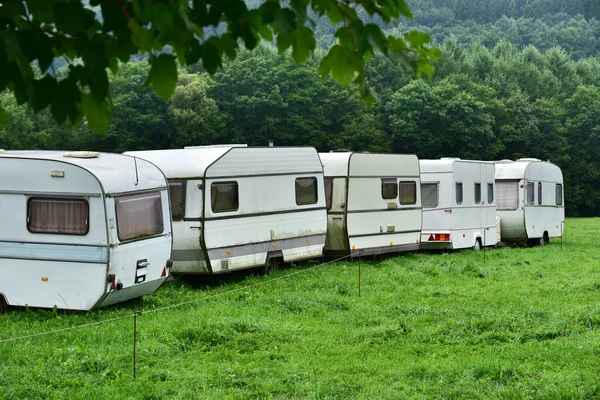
135	339
484	232
562	233
360	251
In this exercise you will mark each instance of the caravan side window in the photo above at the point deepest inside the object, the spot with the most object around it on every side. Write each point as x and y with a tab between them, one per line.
490	193
539	192
58	216
508	195
389	189
530	192
429	195
224	196
408	193
477	193
328	192
306	191
177	195
459	193
139	215
559	194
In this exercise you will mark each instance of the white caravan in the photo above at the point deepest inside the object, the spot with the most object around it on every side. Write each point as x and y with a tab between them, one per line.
459	210
373	203
81	230
530	200
236	207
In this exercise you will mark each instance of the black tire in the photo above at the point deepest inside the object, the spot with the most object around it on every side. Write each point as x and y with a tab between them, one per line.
271	265
3	304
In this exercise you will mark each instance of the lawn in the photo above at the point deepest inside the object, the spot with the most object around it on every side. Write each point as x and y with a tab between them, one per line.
524	324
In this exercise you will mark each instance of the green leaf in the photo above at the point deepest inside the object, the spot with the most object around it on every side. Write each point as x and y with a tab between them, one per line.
4	118
340	62
304	43
42	92
141	37
97	114
162	75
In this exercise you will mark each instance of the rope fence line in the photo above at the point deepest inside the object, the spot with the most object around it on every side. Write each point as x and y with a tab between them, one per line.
137	313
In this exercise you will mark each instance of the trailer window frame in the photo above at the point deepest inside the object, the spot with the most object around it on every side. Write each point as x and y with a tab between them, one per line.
530	192
32	228
233	205
459	193
490	193
182	194
412	195
425	197
313	187
150	231
389	189
558	194
477	192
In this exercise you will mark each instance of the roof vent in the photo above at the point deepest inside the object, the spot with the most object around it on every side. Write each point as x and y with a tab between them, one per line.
528	159
450	158
81	154
2	151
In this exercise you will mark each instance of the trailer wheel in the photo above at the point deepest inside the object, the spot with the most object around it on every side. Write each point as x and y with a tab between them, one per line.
545	239
477	245
3	304
271	265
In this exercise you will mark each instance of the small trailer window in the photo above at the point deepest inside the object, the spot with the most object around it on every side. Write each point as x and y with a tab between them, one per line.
389	189
530	192
306	191
177	195
58	216
559	194
429	195
224	196
539	192
477	193
328	192
459	193
408	193
490	193
139	215
508	195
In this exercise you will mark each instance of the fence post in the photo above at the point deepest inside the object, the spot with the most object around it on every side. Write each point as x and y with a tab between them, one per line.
135	340
360	251
562	233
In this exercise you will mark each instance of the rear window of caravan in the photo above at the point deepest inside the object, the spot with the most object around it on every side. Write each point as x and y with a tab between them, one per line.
477	193
306	191
507	196
530	192
139	215
459	193
58	215
490	193
429	195
408	192
177	196
224	196
559	194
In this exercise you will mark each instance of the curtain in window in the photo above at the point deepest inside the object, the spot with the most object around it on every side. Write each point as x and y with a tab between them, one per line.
61	216
408	192
139	215
507	195
429	195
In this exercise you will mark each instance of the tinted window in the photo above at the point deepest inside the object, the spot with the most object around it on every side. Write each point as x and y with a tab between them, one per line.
306	191
408	193
389	189
139	215
459	193
328	192
59	216
477	193
490	193
540	193
530	192
177	196
559	194
224	196
429	195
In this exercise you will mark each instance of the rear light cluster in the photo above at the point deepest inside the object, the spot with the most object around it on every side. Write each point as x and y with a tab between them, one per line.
439	237
168	266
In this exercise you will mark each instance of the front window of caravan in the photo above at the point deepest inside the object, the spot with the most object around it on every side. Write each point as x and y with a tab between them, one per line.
139	215
58	216
306	191
177	196
490	193
507	195
429	195
540	193
530	192
408	193
389	189
477	193
224	196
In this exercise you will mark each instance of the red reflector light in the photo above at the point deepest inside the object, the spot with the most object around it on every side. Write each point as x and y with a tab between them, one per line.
439	237
164	273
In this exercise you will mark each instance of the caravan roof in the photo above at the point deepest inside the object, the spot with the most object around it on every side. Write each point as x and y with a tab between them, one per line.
444	164
197	162
370	164
507	169
117	173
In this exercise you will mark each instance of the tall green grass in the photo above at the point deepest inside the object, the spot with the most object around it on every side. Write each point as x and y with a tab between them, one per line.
525	324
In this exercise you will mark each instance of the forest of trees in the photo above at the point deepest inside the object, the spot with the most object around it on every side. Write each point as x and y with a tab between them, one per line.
518	78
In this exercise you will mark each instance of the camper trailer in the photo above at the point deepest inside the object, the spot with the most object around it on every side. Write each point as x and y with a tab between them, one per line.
81	230
236	207
530	200
459	209
373	203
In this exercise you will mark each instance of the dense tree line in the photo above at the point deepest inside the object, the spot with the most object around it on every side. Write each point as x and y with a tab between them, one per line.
482	104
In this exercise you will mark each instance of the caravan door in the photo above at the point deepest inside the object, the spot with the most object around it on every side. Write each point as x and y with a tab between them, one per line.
336	240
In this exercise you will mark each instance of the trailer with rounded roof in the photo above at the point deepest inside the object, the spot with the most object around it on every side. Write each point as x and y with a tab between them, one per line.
530	200
81	230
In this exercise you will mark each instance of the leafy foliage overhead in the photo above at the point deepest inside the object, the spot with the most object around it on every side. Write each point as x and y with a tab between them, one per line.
93	37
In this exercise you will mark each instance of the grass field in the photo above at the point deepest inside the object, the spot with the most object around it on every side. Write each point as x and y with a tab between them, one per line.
526	324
